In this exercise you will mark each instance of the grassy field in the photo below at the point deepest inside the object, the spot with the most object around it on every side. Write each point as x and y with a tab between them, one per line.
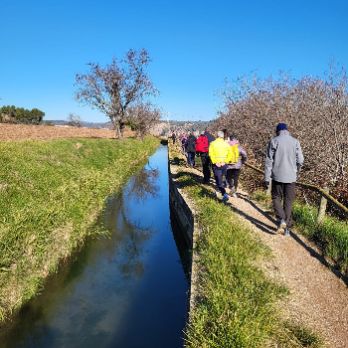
237	305
51	195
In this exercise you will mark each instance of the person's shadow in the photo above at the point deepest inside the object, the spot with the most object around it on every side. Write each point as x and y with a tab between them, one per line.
208	190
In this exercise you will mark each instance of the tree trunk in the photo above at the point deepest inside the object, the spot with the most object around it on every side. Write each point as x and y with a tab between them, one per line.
118	130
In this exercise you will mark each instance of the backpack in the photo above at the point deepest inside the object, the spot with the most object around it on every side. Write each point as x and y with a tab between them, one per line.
202	144
235	153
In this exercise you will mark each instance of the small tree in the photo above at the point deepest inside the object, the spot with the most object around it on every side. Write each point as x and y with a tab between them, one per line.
142	118
74	120
116	87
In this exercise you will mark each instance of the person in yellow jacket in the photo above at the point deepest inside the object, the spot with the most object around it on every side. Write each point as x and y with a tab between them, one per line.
220	154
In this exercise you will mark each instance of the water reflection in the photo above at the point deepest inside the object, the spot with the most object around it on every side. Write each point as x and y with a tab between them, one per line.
144	183
128	290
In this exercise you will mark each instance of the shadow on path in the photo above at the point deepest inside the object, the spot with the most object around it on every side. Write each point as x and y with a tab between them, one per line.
209	191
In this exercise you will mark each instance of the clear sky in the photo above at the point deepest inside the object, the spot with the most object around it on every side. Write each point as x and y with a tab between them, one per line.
194	46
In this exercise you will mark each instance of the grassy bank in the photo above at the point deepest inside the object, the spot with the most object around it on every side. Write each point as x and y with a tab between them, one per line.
51	194
331	236
236	304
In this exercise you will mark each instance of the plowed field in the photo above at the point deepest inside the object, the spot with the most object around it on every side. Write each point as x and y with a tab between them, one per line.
22	132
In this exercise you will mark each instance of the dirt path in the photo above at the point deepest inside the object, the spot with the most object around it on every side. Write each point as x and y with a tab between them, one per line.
318	298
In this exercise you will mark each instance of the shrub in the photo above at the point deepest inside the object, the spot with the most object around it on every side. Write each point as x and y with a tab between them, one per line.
12	114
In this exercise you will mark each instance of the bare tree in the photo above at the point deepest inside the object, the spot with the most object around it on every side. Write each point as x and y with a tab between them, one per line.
74	120
316	111
142	118
117	86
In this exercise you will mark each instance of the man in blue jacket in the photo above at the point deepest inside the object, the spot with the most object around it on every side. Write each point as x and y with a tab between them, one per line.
284	159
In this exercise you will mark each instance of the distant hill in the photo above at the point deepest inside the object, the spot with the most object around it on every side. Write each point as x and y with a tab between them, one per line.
98	125
162	128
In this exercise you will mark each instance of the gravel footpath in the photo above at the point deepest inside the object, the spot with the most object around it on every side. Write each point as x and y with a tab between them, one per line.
318	298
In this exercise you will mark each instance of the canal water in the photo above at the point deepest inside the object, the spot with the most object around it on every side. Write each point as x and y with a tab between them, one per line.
127	291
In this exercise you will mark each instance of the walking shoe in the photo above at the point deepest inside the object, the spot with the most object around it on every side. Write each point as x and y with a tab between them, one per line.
287	232
225	198
281	227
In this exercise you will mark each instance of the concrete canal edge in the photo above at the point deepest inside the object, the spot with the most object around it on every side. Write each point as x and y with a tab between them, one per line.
183	212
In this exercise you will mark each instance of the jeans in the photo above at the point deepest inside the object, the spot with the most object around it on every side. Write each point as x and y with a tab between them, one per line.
191	158
283	196
206	166
219	173
232	178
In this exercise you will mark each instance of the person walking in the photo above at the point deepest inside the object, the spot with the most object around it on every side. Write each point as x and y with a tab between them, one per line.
210	137
284	159
202	147
191	149
208	168
173	137
233	169
220	154
183	143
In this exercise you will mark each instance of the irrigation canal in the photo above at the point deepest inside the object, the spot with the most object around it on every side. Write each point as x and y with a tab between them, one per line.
127	291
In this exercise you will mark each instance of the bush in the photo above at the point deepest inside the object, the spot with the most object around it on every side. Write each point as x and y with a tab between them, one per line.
12	114
316	111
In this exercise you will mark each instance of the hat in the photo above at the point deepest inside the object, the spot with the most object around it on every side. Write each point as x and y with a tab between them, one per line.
232	136
281	126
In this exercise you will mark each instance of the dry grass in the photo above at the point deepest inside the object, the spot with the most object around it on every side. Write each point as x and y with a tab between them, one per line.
25	132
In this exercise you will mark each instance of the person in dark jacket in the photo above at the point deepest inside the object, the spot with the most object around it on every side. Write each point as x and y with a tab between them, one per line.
284	159
191	149
173	137
209	136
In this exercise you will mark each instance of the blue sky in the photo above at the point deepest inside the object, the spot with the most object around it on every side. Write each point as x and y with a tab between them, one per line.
194	46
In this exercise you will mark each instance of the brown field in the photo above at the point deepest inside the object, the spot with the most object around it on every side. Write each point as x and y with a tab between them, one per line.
24	132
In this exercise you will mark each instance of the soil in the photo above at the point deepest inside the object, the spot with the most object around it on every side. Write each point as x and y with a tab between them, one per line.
10	132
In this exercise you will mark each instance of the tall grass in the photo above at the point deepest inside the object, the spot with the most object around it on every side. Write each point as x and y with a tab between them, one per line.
51	193
331	235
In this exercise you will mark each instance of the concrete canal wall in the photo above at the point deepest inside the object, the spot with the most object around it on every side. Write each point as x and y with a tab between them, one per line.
182	211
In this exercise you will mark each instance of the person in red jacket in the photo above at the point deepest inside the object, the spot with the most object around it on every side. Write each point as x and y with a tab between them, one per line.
202	147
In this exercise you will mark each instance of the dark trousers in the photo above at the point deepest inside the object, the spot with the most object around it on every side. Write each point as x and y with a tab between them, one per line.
219	173
205	166
191	158
283	196
232	178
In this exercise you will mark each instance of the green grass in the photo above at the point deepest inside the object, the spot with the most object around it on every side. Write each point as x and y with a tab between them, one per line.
51	195
331	235
237	305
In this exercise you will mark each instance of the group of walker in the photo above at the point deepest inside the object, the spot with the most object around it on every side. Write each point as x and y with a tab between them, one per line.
225	156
